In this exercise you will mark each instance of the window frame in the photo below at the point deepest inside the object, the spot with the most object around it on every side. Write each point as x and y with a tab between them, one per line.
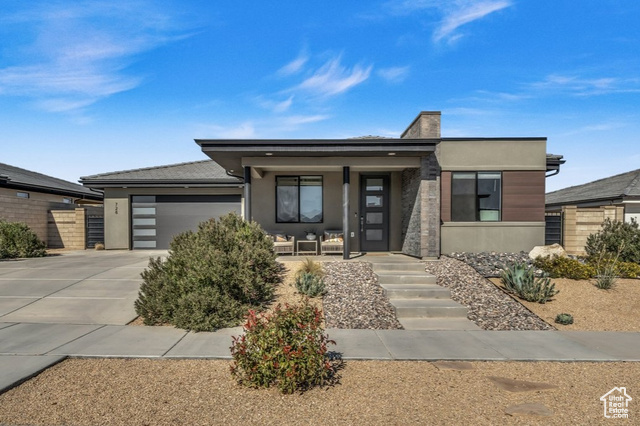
299	178
23	195
477	209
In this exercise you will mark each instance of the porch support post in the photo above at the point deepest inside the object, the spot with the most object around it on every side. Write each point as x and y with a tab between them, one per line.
247	193
345	213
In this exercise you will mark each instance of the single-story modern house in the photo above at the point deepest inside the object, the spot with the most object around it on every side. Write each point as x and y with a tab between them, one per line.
420	194
27	196
621	190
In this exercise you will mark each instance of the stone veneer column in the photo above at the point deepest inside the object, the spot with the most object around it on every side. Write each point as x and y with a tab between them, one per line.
430	207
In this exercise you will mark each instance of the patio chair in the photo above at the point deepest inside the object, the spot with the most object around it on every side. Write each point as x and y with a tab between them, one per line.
282	243
332	242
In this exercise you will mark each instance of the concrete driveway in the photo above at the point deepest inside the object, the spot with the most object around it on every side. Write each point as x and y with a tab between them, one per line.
81	287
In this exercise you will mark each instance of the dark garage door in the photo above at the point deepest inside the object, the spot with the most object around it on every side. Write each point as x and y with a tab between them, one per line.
156	219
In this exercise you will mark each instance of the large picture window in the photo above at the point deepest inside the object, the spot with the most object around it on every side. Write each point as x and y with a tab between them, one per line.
476	196
299	199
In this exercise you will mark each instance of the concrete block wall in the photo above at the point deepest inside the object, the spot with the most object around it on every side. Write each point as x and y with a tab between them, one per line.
411	205
33	211
67	229
579	223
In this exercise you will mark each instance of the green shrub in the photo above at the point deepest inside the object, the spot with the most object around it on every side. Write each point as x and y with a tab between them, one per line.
628	270
564	319
310	284
613	237
565	267
308	266
287	349
18	240
520	279
211	277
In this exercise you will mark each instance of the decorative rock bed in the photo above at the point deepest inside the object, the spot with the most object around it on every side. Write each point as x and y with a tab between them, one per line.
354	299
489	307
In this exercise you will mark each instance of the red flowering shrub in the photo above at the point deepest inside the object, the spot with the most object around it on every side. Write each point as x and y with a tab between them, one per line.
287	348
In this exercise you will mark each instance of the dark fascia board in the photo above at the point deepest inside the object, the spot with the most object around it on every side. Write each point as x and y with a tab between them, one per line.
160	183
229	152
591	202
46	190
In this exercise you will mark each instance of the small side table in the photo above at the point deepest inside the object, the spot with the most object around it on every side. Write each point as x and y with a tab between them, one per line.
301	244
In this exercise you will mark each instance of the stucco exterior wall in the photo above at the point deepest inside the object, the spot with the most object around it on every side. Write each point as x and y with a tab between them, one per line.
476	237
493	155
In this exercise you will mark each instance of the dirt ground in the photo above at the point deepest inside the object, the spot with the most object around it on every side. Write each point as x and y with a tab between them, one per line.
202	392
617	309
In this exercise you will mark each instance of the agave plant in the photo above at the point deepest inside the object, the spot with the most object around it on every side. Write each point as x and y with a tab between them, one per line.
520	279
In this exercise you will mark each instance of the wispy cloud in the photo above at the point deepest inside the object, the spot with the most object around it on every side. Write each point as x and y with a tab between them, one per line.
394	74
80	51
333	78
258	127
581	86
294	66
453	14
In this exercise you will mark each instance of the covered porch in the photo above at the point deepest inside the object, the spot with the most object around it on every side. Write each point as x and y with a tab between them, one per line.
369	189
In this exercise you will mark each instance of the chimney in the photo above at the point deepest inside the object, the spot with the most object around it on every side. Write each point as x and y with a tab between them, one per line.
425	126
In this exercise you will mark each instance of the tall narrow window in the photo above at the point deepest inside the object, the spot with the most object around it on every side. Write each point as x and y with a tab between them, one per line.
299	199
476	196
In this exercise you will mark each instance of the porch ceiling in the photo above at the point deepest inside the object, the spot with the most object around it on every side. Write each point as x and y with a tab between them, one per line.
321	154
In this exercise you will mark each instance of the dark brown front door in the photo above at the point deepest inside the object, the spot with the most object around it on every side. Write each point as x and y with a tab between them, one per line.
374	213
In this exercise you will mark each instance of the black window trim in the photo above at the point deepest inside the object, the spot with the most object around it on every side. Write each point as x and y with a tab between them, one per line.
477	199
298	177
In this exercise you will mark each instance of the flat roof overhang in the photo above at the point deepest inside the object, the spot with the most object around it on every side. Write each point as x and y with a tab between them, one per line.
229	153
160	183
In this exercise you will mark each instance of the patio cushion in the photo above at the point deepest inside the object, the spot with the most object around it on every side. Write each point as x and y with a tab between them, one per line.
333	236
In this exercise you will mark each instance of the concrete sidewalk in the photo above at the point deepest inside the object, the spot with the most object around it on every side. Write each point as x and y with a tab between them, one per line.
27	349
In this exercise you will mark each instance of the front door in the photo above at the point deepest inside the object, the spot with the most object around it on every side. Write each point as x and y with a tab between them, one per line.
374	213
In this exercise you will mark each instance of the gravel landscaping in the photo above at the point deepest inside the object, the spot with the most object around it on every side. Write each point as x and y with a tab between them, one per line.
489	307
201	392
354	298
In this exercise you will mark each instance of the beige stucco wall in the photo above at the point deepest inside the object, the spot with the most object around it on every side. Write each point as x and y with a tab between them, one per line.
117	217
476	237
263	208
498	155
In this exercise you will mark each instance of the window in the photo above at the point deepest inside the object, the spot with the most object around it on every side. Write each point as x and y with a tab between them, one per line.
22	194
476	196
67	200
299	199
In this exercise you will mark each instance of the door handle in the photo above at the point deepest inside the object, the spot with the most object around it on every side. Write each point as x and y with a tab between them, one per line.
361	223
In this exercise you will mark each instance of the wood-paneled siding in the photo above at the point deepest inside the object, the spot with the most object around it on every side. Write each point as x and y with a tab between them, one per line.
522	196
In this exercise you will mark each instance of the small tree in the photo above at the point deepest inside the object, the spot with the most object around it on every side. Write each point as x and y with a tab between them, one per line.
615	238
211	277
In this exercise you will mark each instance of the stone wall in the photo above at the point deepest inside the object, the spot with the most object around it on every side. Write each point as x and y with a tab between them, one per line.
579	223
411	228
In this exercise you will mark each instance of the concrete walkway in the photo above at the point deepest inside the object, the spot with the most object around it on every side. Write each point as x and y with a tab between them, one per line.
38	330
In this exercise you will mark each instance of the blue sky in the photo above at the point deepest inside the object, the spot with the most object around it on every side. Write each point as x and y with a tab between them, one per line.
96	86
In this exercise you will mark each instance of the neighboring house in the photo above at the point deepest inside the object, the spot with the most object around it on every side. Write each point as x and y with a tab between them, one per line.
419	194
575	213
27	196
621	190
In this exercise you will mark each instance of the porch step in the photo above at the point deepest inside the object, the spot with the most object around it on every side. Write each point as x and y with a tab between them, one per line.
428	308
419	291
438	324
391	267
405	277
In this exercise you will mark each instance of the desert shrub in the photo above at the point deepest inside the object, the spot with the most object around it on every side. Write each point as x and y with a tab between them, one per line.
287	349
18	240
211	277
628	270
565	267
310	284
564	319
520	279
613	237
309	266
